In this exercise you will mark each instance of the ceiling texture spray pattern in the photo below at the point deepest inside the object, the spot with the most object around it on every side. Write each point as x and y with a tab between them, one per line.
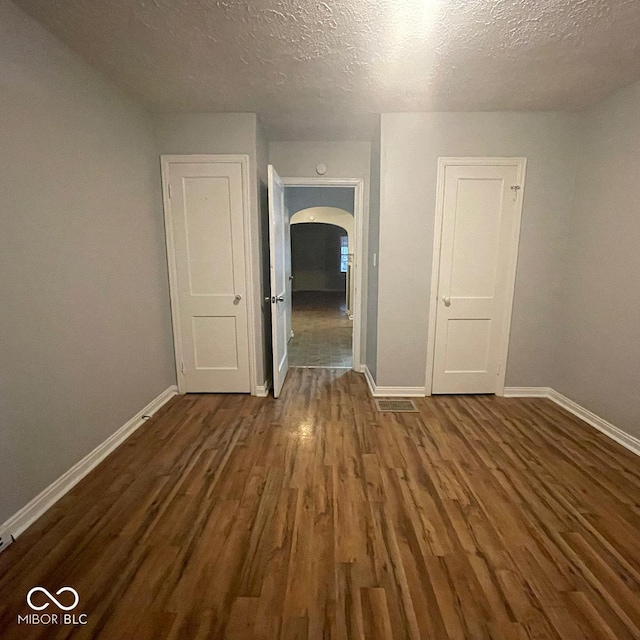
311	66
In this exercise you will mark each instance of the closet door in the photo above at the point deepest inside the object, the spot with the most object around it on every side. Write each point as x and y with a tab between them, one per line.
478	250
204	213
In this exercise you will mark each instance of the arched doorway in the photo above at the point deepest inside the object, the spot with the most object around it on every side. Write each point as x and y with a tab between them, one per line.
344	220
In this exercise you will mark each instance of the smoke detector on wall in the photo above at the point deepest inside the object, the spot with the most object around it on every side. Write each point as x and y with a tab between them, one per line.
321	169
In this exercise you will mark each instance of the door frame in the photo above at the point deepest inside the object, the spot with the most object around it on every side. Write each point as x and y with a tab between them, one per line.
243	160
443	162
358	254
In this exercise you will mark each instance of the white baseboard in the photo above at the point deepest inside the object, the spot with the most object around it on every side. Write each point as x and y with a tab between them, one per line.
262	390
18	522
370	381
621	437
527	392
391	392
399	392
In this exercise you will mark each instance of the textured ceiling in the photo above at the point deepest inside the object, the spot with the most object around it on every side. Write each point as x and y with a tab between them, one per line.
314	69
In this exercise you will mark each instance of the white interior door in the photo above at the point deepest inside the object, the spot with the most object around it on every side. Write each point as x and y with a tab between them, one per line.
478	250
205	236
279	298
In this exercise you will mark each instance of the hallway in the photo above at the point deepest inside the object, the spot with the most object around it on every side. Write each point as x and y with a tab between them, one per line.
322	330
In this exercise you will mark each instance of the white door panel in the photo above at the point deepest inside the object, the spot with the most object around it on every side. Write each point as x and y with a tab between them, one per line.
206	223
479	219
279	283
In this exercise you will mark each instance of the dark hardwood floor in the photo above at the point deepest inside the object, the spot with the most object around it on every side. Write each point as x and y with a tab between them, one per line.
315	516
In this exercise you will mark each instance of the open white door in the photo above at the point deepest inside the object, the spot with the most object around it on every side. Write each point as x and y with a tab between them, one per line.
277	252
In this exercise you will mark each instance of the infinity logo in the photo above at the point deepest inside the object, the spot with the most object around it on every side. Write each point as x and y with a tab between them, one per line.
53	599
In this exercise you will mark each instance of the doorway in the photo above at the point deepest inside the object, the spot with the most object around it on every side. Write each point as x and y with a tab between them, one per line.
280	266
320	264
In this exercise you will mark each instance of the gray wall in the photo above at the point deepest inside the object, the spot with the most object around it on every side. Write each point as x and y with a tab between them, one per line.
83	279
373	250
299	159
343	160
184	133
299	198
411	144
598	362
262	160
226	133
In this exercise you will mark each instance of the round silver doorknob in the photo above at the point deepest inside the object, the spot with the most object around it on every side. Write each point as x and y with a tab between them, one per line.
447	301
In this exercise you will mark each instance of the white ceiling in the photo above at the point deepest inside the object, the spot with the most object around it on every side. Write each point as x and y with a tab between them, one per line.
318	69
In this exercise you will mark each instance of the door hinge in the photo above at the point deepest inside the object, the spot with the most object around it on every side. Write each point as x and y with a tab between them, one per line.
182	368
169	191
499	368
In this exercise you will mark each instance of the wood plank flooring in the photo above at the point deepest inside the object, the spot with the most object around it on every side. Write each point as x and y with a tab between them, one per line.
322	330
315	516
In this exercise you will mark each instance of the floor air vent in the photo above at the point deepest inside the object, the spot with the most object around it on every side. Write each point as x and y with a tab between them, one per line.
396	406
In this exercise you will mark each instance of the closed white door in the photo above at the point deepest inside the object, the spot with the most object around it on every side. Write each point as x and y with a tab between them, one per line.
205	233
278	265
478	250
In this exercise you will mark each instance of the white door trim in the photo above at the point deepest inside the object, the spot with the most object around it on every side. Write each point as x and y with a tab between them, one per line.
243	160
358	254
521	164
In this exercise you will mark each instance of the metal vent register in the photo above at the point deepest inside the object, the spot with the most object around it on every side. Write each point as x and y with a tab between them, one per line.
396	406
